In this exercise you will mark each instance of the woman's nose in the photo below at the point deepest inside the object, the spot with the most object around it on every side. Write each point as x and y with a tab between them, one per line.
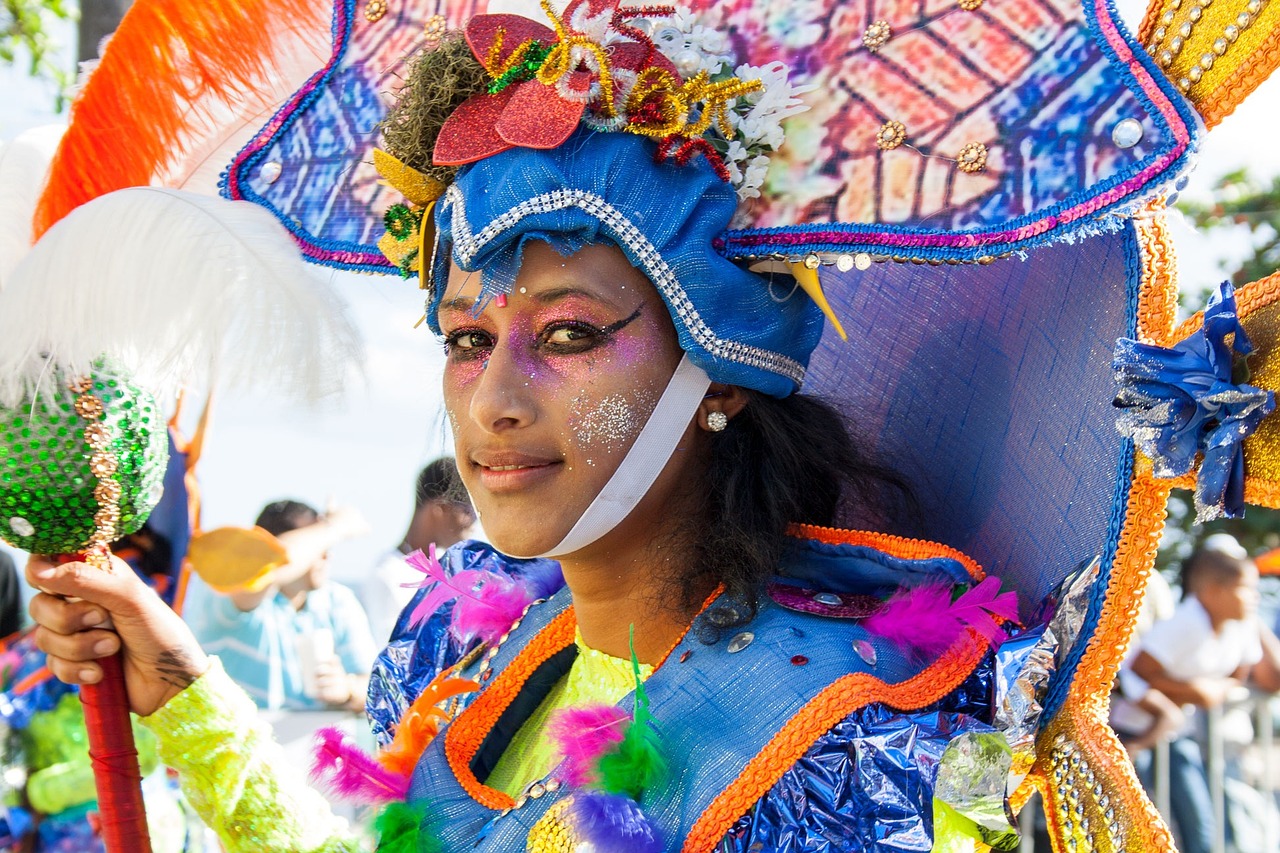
503	397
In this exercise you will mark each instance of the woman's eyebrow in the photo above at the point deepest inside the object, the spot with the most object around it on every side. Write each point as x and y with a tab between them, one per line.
555	294
457	303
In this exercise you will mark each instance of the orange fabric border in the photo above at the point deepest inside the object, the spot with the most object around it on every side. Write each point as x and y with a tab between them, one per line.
463	737
1082	721
837	701
894	546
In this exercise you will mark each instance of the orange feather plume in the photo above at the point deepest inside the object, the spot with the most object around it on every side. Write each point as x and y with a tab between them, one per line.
181	85
422	722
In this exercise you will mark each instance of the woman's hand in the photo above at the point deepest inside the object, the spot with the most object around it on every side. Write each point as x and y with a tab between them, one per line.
84	613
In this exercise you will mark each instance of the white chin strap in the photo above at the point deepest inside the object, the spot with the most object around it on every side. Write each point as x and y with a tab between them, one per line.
643	463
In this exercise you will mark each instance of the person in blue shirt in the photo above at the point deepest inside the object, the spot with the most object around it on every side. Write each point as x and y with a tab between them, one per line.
296	640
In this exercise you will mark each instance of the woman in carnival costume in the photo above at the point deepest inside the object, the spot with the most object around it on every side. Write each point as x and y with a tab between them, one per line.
723	668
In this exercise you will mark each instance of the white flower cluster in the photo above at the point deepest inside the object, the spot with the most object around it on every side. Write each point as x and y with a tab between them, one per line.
692	46
757	120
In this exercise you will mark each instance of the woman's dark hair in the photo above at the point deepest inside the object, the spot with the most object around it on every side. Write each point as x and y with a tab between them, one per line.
778	462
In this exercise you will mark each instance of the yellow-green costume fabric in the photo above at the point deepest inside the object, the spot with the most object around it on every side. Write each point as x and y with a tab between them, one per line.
236	775
594	678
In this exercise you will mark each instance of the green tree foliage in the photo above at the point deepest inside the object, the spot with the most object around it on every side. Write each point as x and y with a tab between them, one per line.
24	35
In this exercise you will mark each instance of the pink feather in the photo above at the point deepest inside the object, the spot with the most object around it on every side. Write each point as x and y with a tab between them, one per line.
487	602
346	771
583	735
925	621
917	618
982	607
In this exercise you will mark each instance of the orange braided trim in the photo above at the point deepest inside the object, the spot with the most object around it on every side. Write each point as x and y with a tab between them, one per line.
463	738
1092	797
1158	288
837	701
1249	298
894	546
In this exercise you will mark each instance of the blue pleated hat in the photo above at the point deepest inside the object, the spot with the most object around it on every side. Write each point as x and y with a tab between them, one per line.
606	187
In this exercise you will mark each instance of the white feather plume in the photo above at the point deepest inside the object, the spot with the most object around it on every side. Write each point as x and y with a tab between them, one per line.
23	165
176	288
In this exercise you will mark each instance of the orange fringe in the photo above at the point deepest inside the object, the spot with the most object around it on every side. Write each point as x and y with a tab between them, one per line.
170	66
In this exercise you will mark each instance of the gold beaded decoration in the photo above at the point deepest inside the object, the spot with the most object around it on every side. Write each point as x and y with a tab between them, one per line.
1215	51
876	35
374	10
890	135
102	464
972	157
970	5
435	28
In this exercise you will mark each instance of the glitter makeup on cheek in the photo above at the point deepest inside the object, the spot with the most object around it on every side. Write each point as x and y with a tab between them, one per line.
611	424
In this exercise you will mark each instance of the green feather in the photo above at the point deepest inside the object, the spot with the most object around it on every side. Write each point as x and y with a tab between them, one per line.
405	828
637	763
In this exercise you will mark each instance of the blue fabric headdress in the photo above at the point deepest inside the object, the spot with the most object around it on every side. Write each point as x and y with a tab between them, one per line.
665	217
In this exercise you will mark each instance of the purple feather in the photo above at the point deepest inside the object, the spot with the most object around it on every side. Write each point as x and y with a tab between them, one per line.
980	606
584	734
612	823
346	771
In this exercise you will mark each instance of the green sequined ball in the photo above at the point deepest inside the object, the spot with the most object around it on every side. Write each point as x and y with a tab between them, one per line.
47	482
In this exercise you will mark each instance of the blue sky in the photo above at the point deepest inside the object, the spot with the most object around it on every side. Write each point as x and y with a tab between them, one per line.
366	449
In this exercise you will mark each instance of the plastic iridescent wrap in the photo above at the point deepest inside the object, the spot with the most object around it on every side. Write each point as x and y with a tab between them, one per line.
1024	664
415	654
972	778
69	458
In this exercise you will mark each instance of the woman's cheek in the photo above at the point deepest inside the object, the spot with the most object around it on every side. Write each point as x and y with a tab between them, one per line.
607	426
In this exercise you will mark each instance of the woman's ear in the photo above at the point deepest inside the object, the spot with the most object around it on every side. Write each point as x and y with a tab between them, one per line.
721	404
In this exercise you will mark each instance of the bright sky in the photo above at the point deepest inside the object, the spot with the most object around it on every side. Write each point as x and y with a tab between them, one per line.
366	450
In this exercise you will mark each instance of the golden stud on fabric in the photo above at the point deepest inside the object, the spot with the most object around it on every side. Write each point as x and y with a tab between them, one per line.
374	10
891	135
970	5
435	28
972	157
876	35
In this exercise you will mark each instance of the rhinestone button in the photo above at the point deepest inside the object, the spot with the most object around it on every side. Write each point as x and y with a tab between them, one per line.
740	642
1127	133
271	171
828	598
866	651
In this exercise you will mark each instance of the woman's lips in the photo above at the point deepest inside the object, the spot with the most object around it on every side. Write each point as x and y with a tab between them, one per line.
508	472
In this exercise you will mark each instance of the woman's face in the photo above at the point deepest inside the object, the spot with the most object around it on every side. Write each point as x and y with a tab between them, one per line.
547	393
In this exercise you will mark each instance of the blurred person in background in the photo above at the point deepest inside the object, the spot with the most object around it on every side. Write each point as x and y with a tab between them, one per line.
442	515
295	640
1210	647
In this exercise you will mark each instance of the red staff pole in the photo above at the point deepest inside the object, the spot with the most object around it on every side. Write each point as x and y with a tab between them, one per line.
112	750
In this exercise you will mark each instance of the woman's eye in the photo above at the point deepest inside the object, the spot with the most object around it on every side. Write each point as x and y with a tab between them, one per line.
568	335
466	341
